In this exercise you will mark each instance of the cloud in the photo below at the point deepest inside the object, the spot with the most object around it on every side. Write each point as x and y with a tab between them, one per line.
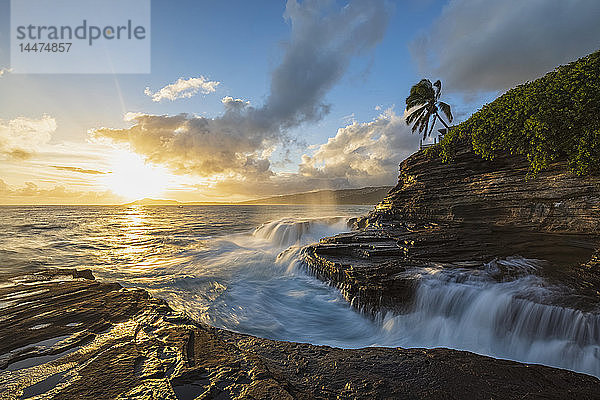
183	88
348	118
487	45
363	154
79	170
196	145
31	193
22	137
237	144
323	41
360	154
5	71
235	105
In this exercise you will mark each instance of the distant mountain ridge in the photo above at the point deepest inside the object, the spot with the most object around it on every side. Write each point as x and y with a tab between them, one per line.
153	202
366	196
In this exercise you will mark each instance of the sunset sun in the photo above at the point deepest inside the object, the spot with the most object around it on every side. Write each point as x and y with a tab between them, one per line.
132	178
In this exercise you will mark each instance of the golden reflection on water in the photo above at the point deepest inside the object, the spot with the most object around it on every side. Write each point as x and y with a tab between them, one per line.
144	248
134	232
136	244
130	234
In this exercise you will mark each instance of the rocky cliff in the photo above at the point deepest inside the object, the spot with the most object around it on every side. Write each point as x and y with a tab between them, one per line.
464	214
471	190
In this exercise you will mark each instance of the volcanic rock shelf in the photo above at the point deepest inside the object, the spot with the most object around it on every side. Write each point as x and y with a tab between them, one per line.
67	338
464	214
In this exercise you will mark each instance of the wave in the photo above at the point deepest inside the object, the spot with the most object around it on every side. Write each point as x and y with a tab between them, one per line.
256	283
42	227
287	231
511	319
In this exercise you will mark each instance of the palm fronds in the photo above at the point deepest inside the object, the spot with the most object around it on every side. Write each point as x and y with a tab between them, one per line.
423	104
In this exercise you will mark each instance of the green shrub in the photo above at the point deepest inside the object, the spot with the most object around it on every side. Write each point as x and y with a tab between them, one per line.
556	117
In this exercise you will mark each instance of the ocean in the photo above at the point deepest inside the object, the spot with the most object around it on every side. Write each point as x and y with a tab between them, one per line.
240	268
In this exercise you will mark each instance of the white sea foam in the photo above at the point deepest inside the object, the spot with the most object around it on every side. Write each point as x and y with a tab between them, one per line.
501	319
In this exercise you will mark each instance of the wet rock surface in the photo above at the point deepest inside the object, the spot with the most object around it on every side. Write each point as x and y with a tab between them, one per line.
467	214
67	338
377	268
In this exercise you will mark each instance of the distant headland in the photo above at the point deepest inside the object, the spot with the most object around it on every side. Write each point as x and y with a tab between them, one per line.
361	196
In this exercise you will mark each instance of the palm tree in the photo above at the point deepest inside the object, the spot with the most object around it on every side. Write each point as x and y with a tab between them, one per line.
423	103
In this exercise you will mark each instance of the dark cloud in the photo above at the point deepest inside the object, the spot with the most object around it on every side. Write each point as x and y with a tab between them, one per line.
488	45
322	43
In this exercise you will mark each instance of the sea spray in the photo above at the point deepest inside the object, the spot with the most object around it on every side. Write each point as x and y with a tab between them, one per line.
500	308
287	232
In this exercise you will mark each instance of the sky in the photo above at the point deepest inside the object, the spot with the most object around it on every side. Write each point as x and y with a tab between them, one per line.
251	99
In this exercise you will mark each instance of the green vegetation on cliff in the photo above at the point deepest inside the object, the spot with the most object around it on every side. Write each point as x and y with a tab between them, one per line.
556	117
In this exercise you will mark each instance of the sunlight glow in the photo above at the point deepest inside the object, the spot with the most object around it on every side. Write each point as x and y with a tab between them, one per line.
133	179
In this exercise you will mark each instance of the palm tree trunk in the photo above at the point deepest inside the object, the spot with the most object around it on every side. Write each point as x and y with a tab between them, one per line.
445	124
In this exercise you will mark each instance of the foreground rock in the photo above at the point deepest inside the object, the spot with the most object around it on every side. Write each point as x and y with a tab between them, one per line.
66	338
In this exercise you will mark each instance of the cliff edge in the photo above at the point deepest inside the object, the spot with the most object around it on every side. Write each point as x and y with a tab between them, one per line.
466	214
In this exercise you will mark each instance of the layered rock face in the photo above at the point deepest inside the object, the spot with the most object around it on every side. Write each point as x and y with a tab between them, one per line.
470	190
465	214
66	338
